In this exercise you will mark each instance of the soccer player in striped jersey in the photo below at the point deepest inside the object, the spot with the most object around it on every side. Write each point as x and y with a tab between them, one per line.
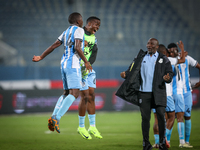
73	41
170	108
87	101
184	142
187	93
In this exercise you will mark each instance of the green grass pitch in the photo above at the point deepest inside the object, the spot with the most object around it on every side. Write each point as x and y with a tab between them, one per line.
120	131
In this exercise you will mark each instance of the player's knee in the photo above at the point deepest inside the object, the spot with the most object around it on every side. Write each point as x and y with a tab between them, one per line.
85	98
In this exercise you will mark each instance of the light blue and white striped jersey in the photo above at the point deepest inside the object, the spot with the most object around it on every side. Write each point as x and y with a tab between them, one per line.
70	58
184	70
169	89
176	86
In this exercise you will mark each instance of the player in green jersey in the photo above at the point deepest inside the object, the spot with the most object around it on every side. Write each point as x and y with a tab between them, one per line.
87	101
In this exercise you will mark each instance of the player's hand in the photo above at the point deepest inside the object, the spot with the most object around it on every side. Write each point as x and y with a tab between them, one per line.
186	53
180	45
88	66
85	43
36	58
166	77
123	74
196	85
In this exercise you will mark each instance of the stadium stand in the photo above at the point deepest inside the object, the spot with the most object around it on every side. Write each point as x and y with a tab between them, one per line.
30	26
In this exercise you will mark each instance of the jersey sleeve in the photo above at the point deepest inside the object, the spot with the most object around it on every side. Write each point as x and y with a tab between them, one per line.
94	54
191	61
79	34
173	61
60	38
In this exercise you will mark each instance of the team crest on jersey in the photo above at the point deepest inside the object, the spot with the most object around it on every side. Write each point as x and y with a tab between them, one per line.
160	61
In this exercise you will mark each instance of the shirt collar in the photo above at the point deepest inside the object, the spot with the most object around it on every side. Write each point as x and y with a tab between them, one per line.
155	54
86	32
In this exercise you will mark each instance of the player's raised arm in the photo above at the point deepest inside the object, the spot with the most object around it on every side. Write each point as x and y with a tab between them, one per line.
182	54
56	44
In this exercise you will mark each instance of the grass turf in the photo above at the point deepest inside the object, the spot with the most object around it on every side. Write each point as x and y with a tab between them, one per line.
120	131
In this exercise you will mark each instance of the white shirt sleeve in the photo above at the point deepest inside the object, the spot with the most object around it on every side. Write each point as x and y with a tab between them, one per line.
191	61
60	38
173	61
79	33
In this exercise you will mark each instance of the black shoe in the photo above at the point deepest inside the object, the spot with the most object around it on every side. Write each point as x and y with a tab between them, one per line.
162	147
147	147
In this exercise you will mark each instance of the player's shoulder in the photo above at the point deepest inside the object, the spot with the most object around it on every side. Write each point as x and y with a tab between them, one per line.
190	58
81	29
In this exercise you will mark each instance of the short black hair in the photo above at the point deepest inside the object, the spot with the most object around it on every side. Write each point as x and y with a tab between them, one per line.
171	45
74	17
162	48
92	18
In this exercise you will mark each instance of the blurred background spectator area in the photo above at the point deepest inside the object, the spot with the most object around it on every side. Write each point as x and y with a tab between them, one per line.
28	27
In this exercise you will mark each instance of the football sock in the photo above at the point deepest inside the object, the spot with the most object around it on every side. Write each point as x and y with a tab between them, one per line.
81	121
187	130
58	104
67	102
167	131
156	136
180	127
169	134
92	119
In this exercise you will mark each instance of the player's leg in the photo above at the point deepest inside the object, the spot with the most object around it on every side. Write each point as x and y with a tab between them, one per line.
169	125
179	110
72	81
170	115
82	107
187	116
60	100
57	107
67	102
91	114
155	130
82	110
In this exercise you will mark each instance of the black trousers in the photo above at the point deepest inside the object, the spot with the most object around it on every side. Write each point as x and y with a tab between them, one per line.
147	102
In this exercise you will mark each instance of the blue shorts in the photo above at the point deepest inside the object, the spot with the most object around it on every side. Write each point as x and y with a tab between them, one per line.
170	104
188	103
179	103
90	81
71	78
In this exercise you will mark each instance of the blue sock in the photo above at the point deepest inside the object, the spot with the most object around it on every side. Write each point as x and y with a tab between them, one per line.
58	104
167	131
169	134
81	121
156	136
67	102
92	119
187	130
180	127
